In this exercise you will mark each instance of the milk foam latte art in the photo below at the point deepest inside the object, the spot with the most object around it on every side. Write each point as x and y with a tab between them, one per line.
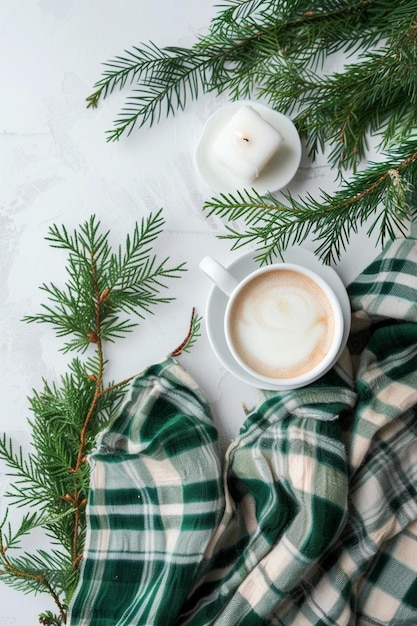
281	324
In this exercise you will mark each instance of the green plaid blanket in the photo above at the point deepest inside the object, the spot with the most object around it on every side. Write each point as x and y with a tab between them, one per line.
312	520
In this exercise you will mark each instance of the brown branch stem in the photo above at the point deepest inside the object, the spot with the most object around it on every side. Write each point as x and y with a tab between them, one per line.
380	180
184	343
117	385
309	16
77	501
39	578
388	174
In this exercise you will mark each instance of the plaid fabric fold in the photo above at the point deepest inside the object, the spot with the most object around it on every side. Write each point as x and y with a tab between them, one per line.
370	575
286	501
315	523
155	497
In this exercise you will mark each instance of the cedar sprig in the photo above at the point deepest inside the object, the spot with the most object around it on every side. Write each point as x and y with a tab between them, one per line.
127	281
103	290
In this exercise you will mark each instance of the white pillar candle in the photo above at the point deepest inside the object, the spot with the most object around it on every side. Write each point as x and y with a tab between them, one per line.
246	144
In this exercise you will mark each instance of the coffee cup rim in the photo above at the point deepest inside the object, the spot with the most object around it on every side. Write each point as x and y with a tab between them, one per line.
324	365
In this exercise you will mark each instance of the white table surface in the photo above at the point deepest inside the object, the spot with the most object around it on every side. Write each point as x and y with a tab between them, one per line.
56	167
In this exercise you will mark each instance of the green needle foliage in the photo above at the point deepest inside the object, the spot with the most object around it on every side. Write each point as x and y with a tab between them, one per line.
124	282
281	51
380	193
49	483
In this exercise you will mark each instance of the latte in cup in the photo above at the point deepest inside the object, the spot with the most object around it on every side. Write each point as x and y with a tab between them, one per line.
281	324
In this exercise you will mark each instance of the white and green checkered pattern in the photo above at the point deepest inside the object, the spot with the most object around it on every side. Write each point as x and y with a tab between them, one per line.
155	496
314	519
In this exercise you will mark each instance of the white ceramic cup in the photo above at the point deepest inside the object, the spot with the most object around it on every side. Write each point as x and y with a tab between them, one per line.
235	290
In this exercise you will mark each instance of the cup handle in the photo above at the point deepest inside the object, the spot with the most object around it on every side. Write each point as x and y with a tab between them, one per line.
218	274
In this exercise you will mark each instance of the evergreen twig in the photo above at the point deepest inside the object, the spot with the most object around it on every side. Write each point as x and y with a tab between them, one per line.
272	49
191	337
282	51
380	191
103	290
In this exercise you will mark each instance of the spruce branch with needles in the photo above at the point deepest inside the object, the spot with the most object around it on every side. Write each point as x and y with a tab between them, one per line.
283	53
276	49
381	193
104	290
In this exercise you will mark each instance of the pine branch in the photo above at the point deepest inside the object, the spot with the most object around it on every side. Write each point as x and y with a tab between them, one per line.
367	93
11	539
124	69
128	281
49	619
280	51
101	287
28	482
175	75
194	332
191	337
27	573
248	48
381	190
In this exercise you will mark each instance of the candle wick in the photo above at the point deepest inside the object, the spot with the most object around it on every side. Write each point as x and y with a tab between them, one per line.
242	136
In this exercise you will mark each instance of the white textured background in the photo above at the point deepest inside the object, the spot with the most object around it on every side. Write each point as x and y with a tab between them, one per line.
56	167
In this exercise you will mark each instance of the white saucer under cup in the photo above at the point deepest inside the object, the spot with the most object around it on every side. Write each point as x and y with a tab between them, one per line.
241	267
